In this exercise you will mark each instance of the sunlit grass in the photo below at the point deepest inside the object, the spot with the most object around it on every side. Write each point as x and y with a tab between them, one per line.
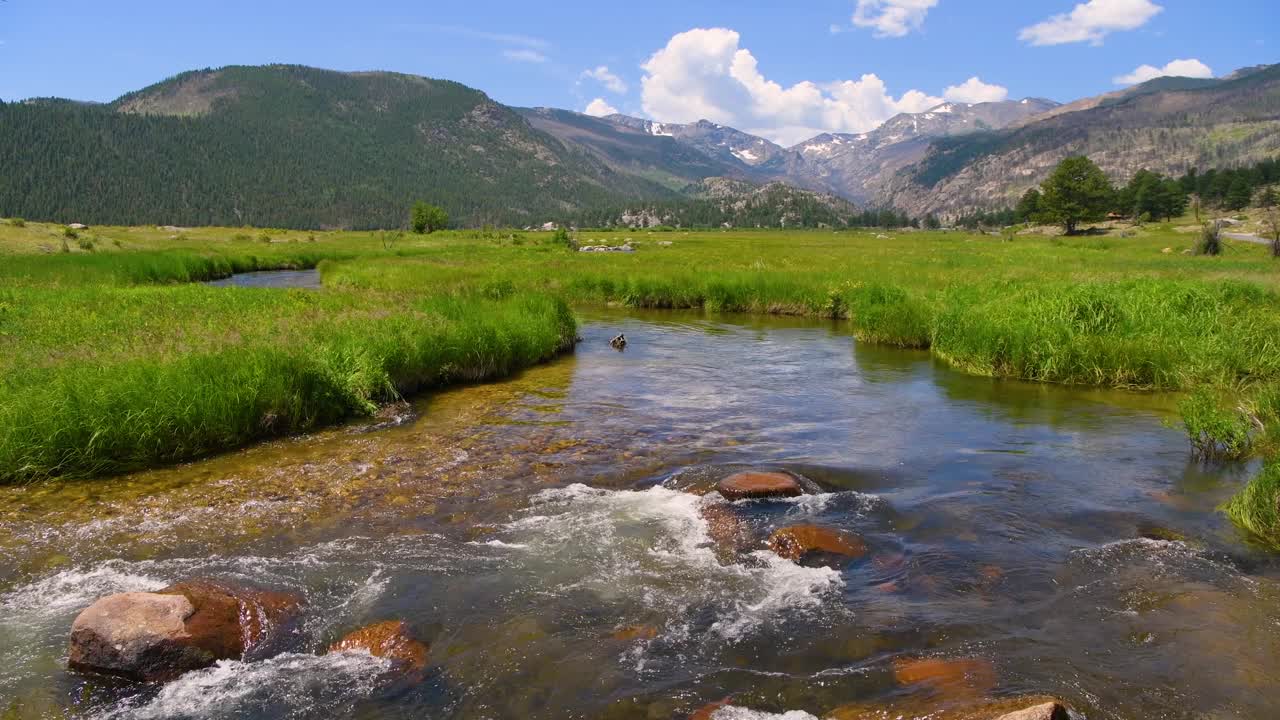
113	360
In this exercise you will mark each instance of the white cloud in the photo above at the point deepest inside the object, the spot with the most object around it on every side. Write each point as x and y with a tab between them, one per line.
603	76
974	90
892	18
495	37
525	56
1091	21
704	74
599	108
1176	68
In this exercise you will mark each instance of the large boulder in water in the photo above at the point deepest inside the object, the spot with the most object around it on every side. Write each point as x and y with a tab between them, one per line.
798	541
160	635
392	640
745	485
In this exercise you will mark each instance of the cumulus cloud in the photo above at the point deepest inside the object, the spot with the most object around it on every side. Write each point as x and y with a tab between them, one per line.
704	74
525	56
1176	68
1091	21
606	78
599	108
892	18
974	90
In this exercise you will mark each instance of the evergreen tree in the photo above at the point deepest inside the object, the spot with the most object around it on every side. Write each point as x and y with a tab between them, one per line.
1238	194
1029	206
1077	192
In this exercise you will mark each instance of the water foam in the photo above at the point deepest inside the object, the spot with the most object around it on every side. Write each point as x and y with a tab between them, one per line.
653	547
286	685
73	589
732	712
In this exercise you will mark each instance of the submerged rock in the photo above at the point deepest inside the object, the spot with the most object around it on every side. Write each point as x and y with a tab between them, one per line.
728	531
392	640
798	541
635	632
152	636
1023	708
759	485
706	712
950	678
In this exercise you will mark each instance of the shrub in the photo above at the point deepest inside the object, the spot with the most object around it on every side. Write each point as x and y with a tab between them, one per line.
17	222
264	238
1210	239
70	233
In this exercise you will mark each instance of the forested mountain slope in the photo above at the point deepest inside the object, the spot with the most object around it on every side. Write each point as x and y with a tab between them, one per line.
293	146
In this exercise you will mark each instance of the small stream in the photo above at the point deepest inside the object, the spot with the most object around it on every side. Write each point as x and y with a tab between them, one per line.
1059	539
307	279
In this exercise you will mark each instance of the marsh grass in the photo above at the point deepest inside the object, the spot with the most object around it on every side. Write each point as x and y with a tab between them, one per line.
113	360
1256	508
85	417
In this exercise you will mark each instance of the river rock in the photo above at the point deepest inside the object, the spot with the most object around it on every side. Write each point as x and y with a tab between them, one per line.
759	485
392	640
1052	710
1038	707
958	678
707	711
151	636
797	541
635	632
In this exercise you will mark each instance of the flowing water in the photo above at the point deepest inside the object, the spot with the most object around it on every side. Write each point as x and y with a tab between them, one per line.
546	535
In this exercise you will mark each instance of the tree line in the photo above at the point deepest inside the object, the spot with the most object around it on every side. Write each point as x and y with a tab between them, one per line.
1078	192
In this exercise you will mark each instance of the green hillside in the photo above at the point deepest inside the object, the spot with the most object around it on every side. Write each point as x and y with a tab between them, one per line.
290	146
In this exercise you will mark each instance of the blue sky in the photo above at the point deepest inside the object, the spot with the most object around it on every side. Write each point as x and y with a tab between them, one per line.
781	69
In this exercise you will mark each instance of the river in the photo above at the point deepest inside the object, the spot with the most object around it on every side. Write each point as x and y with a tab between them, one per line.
1059	539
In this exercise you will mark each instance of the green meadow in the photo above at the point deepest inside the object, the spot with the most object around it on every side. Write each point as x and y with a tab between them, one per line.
114	357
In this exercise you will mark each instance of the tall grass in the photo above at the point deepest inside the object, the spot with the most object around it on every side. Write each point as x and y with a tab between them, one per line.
84	419
109	362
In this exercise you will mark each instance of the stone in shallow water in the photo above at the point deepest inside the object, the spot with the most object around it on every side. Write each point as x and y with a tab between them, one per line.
798	541
1022	708
759	485
635	632
153	636
391	640
1047	711
958	678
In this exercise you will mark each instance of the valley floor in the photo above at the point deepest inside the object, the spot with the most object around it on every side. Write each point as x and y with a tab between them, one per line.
114	355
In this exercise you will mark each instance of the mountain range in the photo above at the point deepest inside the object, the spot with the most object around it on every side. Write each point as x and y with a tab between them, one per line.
294	146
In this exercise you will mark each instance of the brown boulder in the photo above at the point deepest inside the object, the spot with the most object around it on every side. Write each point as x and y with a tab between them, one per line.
797	541
158	636
392	640
759	485
1052	710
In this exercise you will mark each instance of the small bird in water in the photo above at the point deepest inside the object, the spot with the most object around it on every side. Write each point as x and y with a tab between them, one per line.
619	342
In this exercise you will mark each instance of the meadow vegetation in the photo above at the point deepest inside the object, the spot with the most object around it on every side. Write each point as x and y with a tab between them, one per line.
113	359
